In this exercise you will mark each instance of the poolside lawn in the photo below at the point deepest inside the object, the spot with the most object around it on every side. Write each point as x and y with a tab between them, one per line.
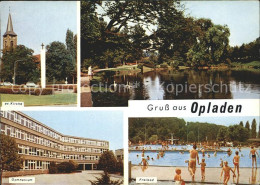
31	100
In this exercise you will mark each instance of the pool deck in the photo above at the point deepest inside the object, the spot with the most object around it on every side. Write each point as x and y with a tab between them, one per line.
247	175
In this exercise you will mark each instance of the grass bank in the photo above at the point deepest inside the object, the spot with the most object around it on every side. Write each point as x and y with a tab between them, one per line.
253	64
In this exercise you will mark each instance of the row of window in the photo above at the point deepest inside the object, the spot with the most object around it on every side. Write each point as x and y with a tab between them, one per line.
34	165
23	135
20	119
27	150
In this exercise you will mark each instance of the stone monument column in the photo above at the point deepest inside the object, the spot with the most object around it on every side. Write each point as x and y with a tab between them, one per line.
43	67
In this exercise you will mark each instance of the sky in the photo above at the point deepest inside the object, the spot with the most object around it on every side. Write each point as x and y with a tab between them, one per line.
39	22
242	17
103	125
231	120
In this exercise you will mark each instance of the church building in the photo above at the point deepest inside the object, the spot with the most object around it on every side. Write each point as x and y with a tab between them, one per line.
10	37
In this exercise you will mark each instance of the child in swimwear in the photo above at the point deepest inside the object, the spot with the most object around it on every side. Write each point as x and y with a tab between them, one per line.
226	169
177	178
203	165
236	162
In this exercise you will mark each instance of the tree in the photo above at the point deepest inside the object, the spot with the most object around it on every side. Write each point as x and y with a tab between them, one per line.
10	160
25	65
247	126
71	44
122	38
191	137
107	162
211	46
223	134
59	63
153	138
253	129
259	131
241	123
238	133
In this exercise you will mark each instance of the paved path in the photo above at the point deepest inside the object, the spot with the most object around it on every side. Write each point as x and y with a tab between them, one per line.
247	175
86	98
66	179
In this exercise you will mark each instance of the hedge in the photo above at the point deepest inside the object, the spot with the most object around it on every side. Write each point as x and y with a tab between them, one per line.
62	86
31	91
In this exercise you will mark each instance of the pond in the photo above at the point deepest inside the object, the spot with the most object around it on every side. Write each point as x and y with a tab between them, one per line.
176	84
175	158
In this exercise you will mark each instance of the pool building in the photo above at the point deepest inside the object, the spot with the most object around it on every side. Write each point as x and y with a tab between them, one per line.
39	144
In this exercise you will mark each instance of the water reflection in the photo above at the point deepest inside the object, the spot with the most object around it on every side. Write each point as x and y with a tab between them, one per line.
184	84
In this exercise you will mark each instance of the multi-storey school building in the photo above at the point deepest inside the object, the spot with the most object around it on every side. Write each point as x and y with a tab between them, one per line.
39	144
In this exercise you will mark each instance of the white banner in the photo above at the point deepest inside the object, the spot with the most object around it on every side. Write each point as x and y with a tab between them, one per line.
192	108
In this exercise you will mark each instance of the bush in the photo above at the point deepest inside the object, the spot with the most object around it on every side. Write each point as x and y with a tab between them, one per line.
105	179
120	167
53	168
67	167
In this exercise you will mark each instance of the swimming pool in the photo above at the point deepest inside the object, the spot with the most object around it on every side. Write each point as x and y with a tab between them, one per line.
174	158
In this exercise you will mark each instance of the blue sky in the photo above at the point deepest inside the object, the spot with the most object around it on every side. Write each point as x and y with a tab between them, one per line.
242	17
104	125
39	22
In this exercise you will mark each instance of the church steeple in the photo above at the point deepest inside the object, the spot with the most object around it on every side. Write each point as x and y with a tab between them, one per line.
10	37
9	28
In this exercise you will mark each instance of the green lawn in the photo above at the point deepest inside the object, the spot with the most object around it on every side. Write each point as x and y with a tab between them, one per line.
31	100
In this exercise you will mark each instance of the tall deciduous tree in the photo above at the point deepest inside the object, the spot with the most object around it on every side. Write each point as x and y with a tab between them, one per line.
58	62
21	61
107	162
9	158
211	46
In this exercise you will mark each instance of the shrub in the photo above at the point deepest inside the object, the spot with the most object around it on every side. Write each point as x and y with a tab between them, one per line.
120	167
53	168
67	167
105	179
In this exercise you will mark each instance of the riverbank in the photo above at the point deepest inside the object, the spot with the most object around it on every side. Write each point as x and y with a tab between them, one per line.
247	175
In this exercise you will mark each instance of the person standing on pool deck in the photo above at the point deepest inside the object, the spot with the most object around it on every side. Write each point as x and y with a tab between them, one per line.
253	152
226	169
192	161
203	167
236	163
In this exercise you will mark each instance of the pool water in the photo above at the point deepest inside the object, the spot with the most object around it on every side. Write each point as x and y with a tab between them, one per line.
175	158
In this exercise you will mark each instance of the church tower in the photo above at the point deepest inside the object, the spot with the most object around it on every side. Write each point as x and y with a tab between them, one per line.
9	38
